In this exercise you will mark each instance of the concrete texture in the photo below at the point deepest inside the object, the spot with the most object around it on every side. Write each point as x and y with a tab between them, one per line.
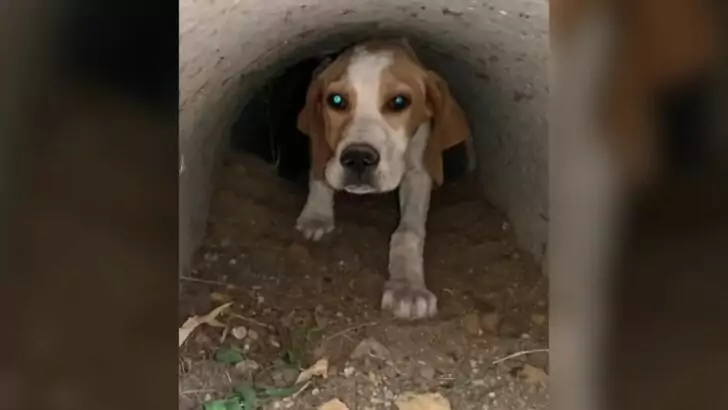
493	53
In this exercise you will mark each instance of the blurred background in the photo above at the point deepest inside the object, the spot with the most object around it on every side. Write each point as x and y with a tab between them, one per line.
90	187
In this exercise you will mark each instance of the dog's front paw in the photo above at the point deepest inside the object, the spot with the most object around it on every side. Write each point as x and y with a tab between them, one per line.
407	301
315	226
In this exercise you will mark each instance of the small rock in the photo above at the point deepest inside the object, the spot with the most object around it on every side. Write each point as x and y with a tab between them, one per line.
202	339
491	321
369	347
253	335
538	319
219	297
239	332
348	371
427	372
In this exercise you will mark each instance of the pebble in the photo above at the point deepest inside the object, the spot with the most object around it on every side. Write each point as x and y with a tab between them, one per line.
239	332
538	319
348	371
252	334
369	347
427	372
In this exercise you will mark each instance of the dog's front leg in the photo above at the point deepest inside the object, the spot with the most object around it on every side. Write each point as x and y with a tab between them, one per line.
405	293
317	216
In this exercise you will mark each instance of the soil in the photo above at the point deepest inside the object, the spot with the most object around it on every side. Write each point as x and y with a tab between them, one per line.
296	302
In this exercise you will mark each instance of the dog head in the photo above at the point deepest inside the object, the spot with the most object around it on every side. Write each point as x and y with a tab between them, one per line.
362	111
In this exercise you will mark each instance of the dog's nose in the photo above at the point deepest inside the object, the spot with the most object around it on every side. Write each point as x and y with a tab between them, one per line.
359	158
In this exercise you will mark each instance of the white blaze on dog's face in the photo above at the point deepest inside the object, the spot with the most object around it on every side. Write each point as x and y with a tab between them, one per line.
363	110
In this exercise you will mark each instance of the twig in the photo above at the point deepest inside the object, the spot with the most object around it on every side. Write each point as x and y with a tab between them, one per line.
198	391
349	329
521	353
206	281
251	320
304	387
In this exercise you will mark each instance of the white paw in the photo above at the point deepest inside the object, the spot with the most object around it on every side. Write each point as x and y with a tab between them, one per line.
407	301
315	226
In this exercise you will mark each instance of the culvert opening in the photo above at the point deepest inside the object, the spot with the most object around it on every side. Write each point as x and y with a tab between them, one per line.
303	301
266	127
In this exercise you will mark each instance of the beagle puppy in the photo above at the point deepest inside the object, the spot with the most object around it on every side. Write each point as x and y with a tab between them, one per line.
378	120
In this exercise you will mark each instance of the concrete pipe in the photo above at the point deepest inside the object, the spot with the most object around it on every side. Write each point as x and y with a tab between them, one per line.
493	54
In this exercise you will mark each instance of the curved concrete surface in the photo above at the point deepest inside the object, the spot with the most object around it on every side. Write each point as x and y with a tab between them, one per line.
493	53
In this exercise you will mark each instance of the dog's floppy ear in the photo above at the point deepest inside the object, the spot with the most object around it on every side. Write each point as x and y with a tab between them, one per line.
311	123
449	125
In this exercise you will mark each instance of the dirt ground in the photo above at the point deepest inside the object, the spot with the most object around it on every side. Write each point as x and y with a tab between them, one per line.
296	302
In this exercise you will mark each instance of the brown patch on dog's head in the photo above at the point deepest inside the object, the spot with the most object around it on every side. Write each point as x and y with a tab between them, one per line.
323	130
449	125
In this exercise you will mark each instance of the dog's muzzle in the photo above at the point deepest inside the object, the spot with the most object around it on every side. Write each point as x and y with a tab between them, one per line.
359	161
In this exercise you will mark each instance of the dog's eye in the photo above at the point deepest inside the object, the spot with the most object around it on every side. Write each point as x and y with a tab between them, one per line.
399	103
336	101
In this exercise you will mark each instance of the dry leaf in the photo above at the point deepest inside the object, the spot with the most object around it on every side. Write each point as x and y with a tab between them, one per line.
534	375
320	368
193	321
428	401
334	404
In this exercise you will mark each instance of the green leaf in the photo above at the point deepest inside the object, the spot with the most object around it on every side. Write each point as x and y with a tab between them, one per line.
248	395
226	404
230	355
